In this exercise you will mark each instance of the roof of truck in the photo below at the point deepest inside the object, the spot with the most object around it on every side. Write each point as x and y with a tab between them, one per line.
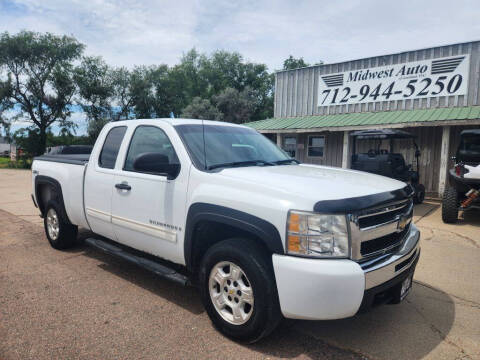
177	121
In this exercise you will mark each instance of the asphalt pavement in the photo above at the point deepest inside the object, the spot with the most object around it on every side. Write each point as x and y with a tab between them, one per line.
84	304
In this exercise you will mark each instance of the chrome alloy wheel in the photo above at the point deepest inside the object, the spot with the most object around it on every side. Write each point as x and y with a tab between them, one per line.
231	293
53	226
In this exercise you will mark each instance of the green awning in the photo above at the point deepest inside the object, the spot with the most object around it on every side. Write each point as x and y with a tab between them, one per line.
368	119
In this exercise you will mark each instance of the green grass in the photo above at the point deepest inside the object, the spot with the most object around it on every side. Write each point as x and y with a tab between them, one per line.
19	164
4	162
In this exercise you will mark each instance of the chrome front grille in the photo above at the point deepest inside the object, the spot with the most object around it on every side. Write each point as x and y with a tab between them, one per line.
380	230
387	242
380	216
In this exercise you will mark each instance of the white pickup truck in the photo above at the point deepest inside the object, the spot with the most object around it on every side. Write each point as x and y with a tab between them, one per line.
220	206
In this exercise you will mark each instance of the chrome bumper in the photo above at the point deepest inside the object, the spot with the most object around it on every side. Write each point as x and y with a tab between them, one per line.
378	272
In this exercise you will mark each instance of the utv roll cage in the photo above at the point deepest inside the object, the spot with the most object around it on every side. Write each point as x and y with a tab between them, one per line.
387	162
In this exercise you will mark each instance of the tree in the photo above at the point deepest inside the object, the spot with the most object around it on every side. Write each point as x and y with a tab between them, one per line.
236	106
27	139
190	75
107	94
222	70
132	93
95	90
122	100
4	127
36	75
201	109
141	92
199	75
293	63
261	85
5	105
173	90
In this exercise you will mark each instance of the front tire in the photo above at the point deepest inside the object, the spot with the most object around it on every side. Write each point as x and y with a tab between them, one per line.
60	234
239	291
450	206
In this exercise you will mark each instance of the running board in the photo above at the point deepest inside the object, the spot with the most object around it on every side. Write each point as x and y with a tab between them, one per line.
155	267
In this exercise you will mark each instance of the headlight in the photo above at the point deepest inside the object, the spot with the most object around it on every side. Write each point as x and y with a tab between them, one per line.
317	235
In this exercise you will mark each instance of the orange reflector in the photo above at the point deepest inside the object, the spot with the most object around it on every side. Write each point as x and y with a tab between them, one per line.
294	218
293	243
294	227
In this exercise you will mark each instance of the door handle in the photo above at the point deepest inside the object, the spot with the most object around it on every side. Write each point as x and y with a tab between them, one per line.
123	186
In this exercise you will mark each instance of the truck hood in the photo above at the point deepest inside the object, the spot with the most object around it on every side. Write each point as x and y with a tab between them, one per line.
313	181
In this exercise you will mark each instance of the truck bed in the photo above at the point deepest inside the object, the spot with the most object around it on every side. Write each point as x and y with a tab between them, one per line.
75	159
68	170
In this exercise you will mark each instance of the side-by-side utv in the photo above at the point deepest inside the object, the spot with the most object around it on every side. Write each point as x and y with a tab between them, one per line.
385	161
463	191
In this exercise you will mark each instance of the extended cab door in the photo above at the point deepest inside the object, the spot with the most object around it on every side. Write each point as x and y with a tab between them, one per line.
99	181
148	210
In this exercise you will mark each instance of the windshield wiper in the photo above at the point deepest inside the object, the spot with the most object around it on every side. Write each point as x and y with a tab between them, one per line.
240	163
286	161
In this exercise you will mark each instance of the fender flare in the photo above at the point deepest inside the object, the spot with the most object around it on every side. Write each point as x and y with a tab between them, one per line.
245	222
47	180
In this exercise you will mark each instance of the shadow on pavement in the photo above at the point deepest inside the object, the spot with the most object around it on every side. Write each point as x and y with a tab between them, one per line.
284	342
425	209
409	330
428	208
470	217
186	297
287	342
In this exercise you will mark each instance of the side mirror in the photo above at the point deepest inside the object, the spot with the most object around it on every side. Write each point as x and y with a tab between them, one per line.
156	164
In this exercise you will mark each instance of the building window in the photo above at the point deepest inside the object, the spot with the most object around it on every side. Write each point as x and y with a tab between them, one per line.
290	145
316	146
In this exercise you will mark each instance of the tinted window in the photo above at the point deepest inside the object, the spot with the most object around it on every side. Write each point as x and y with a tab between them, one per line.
149	139
112	143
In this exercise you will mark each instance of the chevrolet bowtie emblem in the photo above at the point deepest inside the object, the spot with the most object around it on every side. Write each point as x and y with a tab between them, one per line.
402	223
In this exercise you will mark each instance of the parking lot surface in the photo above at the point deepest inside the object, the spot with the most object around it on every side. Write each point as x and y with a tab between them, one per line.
84	304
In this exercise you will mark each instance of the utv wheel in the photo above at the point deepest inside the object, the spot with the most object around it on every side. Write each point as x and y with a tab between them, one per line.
60	234
239	291
450	206
419	194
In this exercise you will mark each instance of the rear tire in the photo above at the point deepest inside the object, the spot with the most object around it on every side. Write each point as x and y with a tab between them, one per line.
252	313
60	234
450	206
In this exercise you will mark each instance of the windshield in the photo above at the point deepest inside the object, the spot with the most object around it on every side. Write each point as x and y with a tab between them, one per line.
227	146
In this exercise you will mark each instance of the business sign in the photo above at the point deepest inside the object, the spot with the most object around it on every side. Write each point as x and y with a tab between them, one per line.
412	80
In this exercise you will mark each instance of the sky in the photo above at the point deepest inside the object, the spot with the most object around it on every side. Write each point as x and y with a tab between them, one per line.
145	32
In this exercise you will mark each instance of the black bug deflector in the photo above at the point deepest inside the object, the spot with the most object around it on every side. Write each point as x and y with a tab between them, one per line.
352	205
